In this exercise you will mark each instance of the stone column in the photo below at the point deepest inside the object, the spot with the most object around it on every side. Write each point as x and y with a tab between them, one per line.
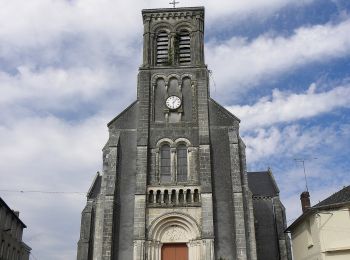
157	169
208	249
194	249
173	164
139	249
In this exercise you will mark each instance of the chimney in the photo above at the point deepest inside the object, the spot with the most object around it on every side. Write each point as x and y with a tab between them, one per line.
305	201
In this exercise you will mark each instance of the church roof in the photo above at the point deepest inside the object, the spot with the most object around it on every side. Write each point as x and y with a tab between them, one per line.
262	184
95	187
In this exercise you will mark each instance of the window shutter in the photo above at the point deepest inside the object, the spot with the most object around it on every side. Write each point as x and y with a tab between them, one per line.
184	48
162	48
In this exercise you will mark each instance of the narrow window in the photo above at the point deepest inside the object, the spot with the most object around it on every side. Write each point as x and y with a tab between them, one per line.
162	48
158	197
181	163
184	52
196	196
165	165
181	196
188	196
173	197
166	197
151	197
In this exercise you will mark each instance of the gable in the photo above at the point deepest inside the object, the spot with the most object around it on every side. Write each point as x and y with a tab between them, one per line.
220	116
127	119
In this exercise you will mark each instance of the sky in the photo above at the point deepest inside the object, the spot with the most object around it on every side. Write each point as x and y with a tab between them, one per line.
67	67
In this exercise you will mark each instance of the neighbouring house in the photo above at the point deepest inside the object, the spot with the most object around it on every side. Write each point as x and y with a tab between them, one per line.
322	232
11	230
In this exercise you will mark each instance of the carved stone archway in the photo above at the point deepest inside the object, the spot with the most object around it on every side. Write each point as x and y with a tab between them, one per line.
174	228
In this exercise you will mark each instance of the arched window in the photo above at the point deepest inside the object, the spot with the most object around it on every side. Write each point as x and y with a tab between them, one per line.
173	197
151	197
181	196
165	163
181	163
158	197
184	43
188	196
162	48
166	197
196	196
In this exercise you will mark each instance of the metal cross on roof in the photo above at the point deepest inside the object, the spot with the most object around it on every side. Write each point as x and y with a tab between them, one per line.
174	3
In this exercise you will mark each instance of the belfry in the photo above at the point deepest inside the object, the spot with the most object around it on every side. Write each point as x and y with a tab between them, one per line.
174	184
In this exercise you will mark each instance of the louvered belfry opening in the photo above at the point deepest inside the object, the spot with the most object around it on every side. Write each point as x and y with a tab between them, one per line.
184	47
162	48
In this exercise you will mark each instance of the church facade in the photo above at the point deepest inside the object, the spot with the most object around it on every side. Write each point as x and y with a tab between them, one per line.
174	184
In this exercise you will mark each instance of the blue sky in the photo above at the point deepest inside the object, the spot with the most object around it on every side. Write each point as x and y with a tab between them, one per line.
68	67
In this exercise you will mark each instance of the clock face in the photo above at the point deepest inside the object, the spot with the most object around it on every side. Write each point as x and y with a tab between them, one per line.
173	102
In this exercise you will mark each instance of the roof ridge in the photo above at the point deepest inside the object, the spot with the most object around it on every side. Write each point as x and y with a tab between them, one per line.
336	197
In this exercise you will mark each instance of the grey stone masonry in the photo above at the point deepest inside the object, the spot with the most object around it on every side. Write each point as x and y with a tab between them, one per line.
248	205
281	225
105	206
84	244
174	167
171	19
239	196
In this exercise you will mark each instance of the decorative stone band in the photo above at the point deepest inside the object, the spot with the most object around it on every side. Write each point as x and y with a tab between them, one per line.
158	14
173	196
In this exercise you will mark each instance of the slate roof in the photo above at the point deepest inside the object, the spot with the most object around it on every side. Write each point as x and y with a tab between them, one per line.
262	184
341	196
95	186
336	200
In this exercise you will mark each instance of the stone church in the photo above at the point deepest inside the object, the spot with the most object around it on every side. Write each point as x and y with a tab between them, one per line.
174	184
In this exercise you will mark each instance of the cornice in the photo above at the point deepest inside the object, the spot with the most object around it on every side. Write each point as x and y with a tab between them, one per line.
167	13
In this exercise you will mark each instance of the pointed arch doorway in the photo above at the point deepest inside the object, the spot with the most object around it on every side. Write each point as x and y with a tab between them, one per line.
174	251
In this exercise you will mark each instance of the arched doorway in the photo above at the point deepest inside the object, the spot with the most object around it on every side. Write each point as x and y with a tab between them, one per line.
174	236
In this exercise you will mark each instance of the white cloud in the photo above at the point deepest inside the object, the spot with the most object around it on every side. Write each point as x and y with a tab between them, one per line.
56	54
50	154
46	25
323	181
287	107
65	50
239	64
54	89
293	140
319	146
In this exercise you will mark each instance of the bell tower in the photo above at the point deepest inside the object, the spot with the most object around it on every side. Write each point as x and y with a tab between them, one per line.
173	198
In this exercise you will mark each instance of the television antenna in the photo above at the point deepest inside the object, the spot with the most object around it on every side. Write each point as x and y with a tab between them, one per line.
303	160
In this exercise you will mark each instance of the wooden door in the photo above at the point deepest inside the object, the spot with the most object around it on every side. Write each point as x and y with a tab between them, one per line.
174	252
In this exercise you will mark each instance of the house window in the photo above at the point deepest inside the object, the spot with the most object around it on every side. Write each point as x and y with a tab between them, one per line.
165	163
162	48
181	152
